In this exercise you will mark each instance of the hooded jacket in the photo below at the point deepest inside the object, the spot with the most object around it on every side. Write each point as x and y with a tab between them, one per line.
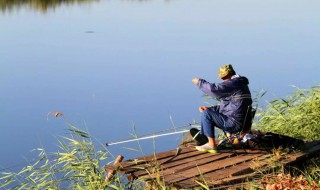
234	96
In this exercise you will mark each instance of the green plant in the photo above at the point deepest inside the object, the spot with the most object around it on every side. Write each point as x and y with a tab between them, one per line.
297	115
77	165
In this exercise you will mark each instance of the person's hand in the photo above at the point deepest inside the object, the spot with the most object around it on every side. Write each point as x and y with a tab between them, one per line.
202	108
195	81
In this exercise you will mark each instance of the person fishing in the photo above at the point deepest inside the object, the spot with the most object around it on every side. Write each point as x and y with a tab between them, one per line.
235	99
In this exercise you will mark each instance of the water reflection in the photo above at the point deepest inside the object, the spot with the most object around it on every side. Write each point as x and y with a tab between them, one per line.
40	5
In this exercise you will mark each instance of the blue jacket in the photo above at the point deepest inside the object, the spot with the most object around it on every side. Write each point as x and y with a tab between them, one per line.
234	96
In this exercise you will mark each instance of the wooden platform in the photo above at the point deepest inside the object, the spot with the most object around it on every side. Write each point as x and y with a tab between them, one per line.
187	167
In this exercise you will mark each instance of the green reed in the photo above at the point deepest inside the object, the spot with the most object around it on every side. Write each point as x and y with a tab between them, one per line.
297	115
77	165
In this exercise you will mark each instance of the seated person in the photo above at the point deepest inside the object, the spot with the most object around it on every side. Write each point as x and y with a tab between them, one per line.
235	98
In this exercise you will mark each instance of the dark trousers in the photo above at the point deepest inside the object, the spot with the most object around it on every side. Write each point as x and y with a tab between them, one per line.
211	118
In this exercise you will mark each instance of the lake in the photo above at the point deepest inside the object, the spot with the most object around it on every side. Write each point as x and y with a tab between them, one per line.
110	65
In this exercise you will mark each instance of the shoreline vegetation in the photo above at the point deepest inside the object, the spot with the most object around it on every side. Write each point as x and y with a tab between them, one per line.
39	5
45	5
78	164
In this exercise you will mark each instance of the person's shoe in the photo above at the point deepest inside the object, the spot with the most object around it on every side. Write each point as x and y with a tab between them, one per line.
199	138
207	148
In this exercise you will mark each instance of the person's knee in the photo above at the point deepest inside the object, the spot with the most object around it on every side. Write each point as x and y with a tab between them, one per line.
209	114
205	114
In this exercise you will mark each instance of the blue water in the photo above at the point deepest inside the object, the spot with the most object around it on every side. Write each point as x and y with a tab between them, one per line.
110	65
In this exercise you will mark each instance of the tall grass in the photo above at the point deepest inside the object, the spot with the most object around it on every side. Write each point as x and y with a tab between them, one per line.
297	115
77	165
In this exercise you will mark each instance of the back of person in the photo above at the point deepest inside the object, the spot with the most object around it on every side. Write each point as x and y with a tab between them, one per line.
234	103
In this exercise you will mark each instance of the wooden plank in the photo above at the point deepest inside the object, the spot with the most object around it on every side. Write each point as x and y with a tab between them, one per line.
311	148
186	184
205	165
198	156
211	178
219	170
237	179
295	157
232	171
111	173
202	167
207	158
204	159
145	159
241	178
163	162
187	163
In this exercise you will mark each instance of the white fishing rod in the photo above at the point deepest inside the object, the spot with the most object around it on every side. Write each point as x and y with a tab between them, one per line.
154	135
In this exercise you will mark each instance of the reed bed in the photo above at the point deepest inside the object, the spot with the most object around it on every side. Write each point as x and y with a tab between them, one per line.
77	165
297	115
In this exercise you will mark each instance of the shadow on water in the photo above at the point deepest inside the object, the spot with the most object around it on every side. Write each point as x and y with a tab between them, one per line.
39	5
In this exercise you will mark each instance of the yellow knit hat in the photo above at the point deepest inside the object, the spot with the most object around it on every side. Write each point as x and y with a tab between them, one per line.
225	70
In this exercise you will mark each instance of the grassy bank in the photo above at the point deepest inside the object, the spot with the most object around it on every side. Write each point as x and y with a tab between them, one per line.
78	164
297	115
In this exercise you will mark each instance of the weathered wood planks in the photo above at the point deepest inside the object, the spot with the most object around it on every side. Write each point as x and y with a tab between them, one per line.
187	167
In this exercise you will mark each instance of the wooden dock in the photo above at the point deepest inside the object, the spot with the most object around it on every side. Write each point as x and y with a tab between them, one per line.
186	167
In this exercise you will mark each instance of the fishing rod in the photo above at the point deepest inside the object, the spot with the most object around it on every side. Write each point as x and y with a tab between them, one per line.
155	134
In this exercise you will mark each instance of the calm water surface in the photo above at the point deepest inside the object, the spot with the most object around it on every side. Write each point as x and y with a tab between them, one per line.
109	65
